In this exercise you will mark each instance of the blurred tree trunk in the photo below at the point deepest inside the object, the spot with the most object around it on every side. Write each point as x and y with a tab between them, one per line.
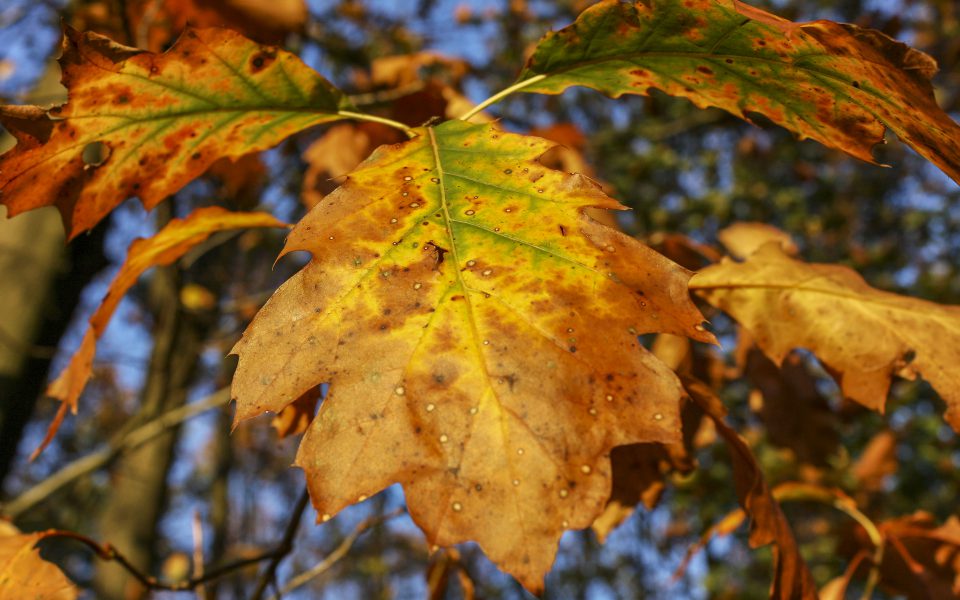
138	490
42	282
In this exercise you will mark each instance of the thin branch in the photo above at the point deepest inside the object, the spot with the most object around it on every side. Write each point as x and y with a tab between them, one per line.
283	549
386	96
109	553
92	462
338	553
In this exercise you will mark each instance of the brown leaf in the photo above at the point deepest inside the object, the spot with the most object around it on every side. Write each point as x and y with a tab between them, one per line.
336	153
744	238
922	557
24	575
787	392
791	578
169	244
877	461
404	69
862	334
266	21
684	251
295	418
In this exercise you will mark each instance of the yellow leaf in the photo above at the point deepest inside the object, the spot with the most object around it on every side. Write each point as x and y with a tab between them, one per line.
23	574
479	334
862	334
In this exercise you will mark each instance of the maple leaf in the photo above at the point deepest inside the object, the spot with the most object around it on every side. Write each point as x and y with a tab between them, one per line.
169	244
837	84
160	120
862	334
479	334
23	574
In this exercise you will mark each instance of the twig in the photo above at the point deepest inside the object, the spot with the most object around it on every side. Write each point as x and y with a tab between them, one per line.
198	554
386	96
338	553
283	549
109	553
136	438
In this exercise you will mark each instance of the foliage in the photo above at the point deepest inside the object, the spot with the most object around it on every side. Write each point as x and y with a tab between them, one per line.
475	314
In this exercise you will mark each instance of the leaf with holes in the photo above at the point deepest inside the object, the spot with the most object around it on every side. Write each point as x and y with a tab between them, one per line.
838	84
479	334
144	124
863	335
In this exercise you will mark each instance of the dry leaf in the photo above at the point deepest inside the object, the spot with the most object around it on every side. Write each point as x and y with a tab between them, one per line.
24	575
744	238
862	334
791	578
479	335
169	244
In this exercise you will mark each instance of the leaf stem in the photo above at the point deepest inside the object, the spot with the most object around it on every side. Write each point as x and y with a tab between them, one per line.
501	95
846	505
375	119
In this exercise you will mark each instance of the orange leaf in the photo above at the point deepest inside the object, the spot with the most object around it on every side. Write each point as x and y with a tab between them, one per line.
295	418
172	242
144	124
23	574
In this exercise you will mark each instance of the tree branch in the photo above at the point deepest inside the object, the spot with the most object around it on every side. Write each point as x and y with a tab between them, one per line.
92	462
338	553
286	545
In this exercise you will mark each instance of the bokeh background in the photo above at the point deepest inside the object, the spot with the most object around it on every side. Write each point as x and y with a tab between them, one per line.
686	173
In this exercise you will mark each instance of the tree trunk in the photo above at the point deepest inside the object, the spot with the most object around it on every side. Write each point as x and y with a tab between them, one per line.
139	480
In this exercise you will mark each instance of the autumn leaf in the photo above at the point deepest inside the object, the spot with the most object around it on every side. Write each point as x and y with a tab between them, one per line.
744	238
169	244
791	578
23	574
840	85
337	152
863	335
923	559
267	21
156	121
295	418
479	334
640	471
789	390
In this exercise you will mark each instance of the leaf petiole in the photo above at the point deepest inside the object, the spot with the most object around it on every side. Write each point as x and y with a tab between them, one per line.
501	95
375	119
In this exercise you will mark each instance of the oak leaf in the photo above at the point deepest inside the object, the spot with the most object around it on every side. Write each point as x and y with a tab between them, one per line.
168	245
838	84
479	334
23	574
863	335
157	120
768	525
